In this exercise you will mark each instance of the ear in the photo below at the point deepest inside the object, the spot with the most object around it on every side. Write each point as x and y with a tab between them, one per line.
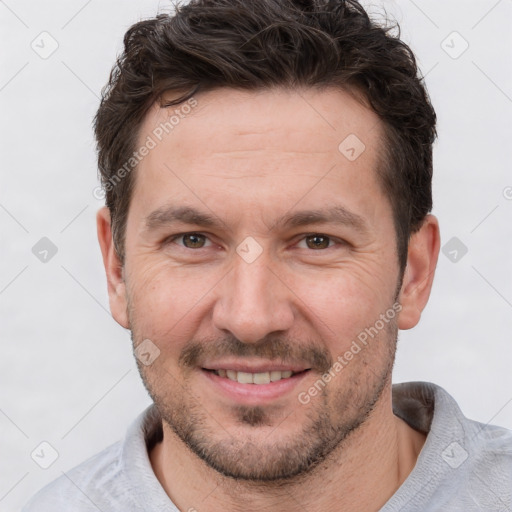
113	269
419	272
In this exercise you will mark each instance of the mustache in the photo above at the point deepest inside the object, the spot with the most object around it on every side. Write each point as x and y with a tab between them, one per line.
272	348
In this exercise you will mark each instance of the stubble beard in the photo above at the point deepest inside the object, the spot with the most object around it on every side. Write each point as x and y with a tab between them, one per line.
335	414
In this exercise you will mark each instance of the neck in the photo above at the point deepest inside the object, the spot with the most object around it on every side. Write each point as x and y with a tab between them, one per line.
361	474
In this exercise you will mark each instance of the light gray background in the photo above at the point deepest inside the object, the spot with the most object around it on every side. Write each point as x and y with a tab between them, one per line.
66	368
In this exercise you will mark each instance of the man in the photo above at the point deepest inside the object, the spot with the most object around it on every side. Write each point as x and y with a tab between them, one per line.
267	168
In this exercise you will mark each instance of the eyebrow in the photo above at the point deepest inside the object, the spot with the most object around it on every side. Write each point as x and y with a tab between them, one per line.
168	215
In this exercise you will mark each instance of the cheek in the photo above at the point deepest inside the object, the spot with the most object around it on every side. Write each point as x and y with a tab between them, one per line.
167	302
344	302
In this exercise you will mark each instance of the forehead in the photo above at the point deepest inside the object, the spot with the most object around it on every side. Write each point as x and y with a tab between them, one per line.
282	142
320	118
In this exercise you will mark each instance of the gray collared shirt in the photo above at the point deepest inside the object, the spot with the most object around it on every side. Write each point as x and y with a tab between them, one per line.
464	466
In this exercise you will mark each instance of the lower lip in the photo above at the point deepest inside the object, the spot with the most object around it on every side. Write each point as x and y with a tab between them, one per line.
254	394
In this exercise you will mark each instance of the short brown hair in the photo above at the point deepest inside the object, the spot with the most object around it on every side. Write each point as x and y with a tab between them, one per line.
251	45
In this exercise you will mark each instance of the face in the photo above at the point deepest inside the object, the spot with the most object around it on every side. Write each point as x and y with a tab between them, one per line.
257	255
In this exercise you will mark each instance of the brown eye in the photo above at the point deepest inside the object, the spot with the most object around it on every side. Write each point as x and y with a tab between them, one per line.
193	240
317	241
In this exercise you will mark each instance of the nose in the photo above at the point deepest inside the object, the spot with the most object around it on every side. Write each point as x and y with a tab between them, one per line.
253	301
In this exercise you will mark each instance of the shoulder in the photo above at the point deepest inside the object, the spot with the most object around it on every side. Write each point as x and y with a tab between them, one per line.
464	464
480	466
467	440
110	480
478	443
81	488
488	453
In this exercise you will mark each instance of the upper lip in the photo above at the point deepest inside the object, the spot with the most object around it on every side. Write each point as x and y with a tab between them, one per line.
255	367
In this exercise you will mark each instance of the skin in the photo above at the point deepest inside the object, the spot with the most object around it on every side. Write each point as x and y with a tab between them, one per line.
249	158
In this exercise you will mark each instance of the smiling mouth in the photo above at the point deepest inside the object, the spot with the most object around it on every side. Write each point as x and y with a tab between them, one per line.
255	378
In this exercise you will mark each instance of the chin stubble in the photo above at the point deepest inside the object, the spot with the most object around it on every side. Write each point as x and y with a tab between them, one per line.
253	458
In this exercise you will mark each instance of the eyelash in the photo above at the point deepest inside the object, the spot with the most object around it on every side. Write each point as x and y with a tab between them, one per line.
337	241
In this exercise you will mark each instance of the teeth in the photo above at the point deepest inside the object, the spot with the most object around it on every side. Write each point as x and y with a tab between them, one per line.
261	378
254	378
245	378
275	376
